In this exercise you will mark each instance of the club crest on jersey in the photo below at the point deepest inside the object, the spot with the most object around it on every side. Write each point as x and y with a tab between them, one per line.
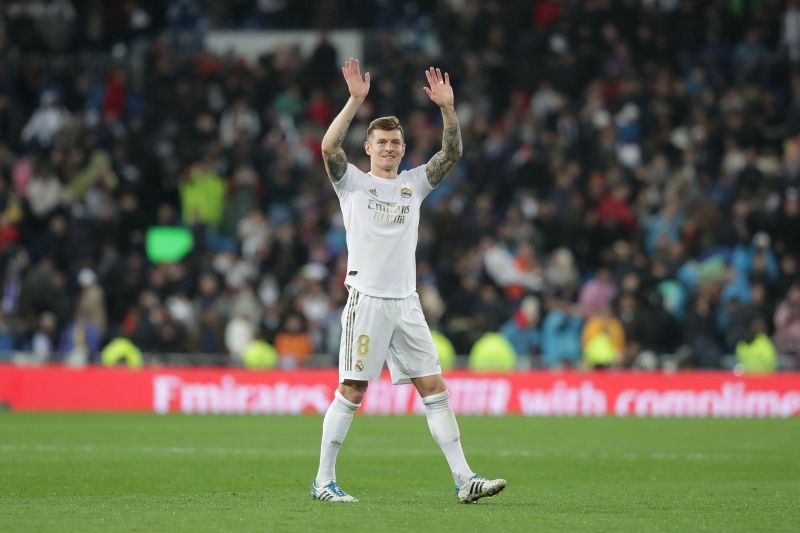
405	192
374	192
359	365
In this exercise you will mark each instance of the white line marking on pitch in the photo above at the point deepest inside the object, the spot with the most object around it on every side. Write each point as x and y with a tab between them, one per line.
536	454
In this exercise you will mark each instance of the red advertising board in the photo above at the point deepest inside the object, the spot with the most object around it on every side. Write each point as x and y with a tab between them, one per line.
222	390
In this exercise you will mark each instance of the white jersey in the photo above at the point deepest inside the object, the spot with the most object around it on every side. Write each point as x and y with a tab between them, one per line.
381	218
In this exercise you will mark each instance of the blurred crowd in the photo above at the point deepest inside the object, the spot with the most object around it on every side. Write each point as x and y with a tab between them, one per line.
628	195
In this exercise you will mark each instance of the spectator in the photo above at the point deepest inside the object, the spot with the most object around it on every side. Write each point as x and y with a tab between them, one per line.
80	342
561	273
598	293
238	123
45	122
7	337
633	320
97	174
260	355
561	334
756	352
790	30
202	194
45	192
787	325
758	255
522	329
242	199
750	58
91	301
699	334
602	339
43	342
492	352
293	342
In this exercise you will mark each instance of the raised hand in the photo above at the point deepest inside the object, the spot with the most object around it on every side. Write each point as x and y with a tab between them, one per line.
441	93
352	75
440	90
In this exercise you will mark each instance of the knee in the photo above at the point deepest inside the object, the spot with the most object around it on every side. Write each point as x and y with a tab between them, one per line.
353	391
429	385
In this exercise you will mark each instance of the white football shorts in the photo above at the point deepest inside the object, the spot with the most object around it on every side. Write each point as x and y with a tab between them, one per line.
394	330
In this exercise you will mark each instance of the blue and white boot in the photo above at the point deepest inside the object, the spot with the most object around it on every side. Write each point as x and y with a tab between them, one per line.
479	487
331	492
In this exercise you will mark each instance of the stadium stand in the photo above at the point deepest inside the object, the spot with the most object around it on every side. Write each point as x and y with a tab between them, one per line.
630	164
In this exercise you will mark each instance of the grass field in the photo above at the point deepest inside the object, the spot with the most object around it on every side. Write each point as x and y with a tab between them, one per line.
96	472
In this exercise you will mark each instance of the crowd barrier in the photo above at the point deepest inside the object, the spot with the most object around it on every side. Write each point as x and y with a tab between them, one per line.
539	393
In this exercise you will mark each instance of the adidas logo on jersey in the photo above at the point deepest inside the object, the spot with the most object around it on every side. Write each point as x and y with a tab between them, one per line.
374	192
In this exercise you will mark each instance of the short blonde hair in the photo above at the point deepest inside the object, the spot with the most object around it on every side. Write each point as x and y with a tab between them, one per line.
386	124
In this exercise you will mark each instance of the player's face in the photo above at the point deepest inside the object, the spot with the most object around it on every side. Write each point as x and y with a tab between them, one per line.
385	148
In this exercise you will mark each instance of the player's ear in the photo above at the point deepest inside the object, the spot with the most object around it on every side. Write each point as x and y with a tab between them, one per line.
366	147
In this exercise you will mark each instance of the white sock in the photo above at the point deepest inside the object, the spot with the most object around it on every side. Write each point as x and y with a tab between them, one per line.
444	429
334	429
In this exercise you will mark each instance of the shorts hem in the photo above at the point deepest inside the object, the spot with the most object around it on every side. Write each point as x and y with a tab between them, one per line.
354	377
405	380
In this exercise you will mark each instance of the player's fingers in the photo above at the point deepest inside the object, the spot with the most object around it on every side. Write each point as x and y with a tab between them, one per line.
356	68
439	76
428	77
427	91
432	81
447	78
366	78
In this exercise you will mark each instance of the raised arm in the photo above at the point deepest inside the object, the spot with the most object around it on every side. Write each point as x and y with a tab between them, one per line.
441	93
332	152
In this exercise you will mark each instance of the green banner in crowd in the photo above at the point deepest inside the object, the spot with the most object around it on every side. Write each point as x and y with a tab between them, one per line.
167	244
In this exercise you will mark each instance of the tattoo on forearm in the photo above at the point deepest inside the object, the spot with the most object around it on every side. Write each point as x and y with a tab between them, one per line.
445	158
342	134
336	165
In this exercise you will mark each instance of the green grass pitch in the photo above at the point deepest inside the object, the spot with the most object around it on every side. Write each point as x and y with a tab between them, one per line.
104	472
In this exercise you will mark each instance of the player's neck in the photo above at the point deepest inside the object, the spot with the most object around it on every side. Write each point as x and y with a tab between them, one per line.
385	174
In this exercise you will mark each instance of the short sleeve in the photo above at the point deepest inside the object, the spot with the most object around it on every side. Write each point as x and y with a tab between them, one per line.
418	177
345	184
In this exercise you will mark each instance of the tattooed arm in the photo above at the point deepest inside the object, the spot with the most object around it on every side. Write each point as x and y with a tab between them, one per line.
443	160
332	152
441	93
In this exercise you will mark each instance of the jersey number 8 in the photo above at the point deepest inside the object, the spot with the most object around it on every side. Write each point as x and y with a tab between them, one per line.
363	344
